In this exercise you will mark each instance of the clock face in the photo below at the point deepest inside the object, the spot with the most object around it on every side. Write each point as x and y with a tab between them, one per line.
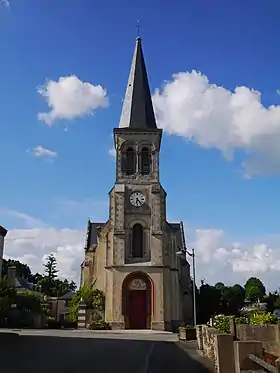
137	199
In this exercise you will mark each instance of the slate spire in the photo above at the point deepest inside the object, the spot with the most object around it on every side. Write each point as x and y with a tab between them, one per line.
137	111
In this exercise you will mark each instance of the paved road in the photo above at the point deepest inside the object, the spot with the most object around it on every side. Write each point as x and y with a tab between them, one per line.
69	352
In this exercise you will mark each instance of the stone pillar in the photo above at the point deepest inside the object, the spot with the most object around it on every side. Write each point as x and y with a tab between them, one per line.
242	349
232	326
224	353
82	315
182	333
199	337
277	332
3	233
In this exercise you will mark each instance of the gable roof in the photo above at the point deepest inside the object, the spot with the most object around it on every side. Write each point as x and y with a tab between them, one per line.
67	296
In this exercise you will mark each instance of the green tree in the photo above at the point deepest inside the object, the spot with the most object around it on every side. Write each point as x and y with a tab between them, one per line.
220	286
48	282
277	302
7	296
254	289
50	267
63	287
208	302
232	299
93	298
36	278
6	290
22	270
56	287
272	301
28	301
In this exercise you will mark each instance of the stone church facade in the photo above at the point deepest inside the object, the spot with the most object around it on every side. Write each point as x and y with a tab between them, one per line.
132	257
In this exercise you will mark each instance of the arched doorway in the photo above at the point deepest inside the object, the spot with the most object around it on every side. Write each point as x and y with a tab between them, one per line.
137	301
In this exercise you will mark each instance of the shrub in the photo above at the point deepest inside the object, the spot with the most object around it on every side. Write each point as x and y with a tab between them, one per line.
263	319
93	298
73	309
99	325
257	319
221	323
29	301
242	320
98	300
7	297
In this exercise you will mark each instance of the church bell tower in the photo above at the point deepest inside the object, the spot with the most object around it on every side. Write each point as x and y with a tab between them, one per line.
132	256
139	198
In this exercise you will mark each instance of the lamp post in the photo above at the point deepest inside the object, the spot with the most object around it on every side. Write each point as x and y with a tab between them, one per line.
192	254
185	253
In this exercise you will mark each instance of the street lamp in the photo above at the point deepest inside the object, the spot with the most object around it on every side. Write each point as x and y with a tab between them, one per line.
184	253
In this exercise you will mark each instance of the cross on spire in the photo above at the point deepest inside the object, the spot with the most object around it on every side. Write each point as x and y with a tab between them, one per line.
138	28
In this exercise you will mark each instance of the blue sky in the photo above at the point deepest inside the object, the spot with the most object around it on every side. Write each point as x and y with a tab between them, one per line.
231	43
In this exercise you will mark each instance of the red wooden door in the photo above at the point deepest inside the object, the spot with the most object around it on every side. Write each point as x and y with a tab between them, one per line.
137	309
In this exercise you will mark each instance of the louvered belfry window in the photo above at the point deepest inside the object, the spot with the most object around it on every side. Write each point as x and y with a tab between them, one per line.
129	161
145	160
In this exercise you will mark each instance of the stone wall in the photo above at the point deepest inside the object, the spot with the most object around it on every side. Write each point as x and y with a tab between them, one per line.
229	356
208	342
272	347
263	333
218	347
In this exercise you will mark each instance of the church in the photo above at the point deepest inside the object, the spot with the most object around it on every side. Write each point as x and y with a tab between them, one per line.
132	256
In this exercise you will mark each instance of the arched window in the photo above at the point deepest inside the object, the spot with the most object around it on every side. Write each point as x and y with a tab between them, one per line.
145	161
137	241
128	161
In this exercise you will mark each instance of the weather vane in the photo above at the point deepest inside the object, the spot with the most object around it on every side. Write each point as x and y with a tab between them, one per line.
138	28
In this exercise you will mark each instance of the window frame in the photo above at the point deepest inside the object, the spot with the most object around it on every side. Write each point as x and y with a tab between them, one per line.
145	150
128	151
137	247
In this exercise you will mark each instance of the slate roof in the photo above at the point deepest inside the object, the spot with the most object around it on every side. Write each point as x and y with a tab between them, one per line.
137	110
174	226
67	296
3	231
92	234
23	284
178	230
19	282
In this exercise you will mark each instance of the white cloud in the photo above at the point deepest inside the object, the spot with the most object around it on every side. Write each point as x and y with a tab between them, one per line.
217	258
70	98
6	3
214	117
112	152
41	152
31	246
